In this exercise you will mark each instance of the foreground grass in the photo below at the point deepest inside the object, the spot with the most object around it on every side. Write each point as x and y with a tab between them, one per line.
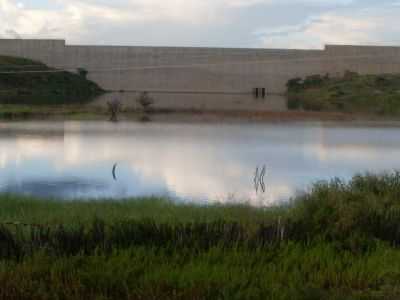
41	88
340	241
366	94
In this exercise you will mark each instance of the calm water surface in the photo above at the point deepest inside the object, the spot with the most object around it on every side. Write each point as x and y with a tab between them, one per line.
202	163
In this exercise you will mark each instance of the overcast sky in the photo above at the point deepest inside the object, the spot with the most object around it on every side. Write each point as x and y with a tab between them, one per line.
215	23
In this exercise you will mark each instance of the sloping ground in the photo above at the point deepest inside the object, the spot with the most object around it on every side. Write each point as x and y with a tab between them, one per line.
352	93
23	81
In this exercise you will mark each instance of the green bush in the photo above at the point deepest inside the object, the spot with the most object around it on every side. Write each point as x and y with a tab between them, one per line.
313	81
294	84
352	93
83	72
350	75
294	102
43	88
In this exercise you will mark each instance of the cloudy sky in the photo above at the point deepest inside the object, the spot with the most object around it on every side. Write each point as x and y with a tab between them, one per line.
218	23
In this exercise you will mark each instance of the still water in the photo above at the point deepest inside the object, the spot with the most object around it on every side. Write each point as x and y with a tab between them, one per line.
189	162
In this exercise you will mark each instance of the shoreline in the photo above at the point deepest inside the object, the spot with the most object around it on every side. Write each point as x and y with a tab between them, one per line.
83	113
339	241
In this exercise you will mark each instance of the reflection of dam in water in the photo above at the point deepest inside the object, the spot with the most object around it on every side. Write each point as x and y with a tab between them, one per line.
218	78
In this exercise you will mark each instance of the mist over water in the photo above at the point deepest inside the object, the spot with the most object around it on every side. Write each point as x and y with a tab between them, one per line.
187	162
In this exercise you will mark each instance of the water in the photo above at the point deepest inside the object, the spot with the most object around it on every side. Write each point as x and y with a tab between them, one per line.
201	163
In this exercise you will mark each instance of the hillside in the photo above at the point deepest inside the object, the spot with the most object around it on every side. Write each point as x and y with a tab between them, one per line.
42	88
352	93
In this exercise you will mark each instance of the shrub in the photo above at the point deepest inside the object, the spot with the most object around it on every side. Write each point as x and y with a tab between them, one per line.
114	108
294	102
145	101
314	104
294	84
82	72
313	81
349	75
382	81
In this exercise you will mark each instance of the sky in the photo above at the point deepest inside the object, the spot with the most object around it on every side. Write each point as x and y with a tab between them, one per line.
301	24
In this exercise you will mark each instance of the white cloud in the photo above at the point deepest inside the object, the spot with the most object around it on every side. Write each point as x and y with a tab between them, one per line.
92	21
73	13
377	25
16	20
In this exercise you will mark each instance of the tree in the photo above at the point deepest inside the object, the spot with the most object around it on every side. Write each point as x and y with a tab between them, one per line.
114	108
145	101
82	72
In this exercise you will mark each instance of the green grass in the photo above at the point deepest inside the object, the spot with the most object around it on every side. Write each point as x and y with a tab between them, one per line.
12	112
366	94
291	271
340	241
42	88
53	212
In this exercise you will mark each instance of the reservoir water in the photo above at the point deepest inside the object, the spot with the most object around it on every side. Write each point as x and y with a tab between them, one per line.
203	163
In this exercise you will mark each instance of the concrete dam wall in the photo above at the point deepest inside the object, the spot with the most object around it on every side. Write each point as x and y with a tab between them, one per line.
205	78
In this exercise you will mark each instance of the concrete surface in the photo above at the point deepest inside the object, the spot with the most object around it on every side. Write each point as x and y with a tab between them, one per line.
215	78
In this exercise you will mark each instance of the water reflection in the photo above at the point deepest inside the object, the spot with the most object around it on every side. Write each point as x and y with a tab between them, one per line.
69	188
190	162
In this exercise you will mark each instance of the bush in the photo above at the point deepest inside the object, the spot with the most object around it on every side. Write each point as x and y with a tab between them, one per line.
313	81
145	101
350	75
294	102
294	84
382	81
82	72
351	93
314	104
44	88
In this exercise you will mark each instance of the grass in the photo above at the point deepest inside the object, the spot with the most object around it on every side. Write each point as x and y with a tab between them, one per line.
340	241
161	210
42	88
291	271
12	112
353	93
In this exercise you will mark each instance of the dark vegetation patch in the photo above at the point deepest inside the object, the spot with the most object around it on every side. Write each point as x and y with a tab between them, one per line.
44	87
351	93
340	241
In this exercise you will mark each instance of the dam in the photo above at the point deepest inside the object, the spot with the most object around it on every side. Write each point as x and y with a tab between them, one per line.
203	78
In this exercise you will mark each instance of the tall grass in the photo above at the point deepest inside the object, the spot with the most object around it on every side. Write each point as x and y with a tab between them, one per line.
54	212
292	271
340	241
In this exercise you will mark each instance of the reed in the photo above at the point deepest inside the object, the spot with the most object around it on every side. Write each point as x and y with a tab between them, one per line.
340	241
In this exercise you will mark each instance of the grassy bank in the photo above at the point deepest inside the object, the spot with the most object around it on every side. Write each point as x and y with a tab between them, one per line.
340	241
352	93
24	112
21	83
